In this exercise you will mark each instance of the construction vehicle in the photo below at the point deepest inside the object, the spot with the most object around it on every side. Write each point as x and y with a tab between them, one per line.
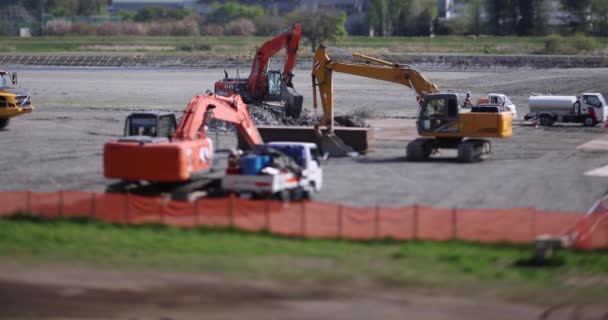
13	101
282	170
269	86
158	156
440	122
590	110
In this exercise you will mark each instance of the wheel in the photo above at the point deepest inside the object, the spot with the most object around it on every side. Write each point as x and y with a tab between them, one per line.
546	120
589	122
419	149
296	194
4	123
282	195
466	152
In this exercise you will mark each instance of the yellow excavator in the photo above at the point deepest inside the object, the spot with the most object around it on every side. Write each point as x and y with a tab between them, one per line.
440	122
13	101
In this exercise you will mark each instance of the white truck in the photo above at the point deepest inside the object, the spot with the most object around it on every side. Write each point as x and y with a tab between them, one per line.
589	110
499	100
281	170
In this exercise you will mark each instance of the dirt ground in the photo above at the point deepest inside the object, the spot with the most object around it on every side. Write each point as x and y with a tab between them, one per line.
54	291
59	146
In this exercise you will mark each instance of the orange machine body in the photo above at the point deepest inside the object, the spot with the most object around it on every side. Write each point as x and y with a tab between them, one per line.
184	156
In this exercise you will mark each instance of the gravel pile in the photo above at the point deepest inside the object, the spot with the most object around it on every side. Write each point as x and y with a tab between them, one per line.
268	115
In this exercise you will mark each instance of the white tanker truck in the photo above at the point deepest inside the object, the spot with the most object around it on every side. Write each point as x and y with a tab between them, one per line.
589	110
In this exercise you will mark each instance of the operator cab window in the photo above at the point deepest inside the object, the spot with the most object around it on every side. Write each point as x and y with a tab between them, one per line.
440	115
5	81
166	126
592	101
144	126
274	83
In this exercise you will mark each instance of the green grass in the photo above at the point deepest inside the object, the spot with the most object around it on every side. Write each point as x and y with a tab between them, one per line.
451	266
239	45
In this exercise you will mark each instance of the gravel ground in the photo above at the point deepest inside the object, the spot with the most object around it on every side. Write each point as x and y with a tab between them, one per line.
59	146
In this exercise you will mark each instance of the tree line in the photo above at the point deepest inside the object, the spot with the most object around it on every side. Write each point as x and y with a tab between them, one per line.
382	17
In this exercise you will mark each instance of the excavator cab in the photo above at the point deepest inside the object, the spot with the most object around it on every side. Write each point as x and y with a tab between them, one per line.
151	124
439	113
274	83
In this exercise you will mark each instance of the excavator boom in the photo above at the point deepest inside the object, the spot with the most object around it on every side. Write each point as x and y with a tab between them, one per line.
439	117
187	154
288	40
323	68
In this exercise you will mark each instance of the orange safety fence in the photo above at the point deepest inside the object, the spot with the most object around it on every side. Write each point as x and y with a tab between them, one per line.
316	219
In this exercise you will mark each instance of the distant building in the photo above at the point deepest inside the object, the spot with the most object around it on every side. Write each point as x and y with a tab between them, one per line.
445	8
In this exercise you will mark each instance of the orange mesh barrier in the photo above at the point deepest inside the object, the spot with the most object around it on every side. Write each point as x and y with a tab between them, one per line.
433	224
111	207
76	204
495	225
12	202
45	204
287	219
314	219
358	223
396	223
251	215
321	220
213	212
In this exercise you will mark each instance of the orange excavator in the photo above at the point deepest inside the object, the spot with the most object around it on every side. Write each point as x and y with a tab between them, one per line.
265	85
157	156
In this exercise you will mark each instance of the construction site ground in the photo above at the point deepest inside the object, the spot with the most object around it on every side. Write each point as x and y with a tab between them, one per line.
60	145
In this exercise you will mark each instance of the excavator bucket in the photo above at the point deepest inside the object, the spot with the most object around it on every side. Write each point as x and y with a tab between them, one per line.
293	102
332	145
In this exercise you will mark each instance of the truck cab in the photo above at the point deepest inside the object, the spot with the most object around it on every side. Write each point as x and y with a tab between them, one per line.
593	104
13	101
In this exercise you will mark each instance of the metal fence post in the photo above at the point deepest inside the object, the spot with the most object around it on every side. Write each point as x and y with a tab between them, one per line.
127	218
60	204
454	223
93	204
377	222
533	227
161	213
339	218
28	201
231	210
303	218
195	213
415	223
267	216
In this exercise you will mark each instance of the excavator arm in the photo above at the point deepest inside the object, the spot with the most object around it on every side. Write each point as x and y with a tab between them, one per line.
229	109
289	40
187	154
323	68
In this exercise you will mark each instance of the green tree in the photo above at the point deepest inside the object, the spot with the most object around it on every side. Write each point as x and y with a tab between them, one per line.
64	8
581	10
600	17
502	16
229	11
475	22
318	27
